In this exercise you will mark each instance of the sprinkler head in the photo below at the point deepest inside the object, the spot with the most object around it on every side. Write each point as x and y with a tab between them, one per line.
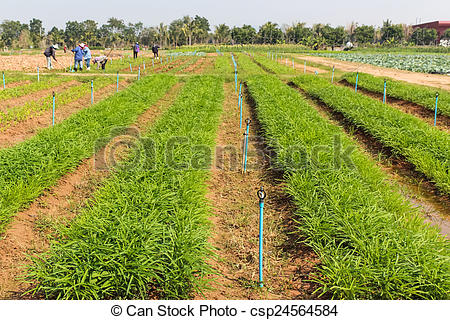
261	194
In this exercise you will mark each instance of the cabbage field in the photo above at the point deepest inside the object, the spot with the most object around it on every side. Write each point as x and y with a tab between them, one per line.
426	63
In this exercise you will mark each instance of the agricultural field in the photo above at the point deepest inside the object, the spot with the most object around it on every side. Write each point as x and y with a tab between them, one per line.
426	63
140	181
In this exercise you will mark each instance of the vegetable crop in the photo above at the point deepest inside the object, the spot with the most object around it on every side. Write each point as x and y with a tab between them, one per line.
427	148
372	244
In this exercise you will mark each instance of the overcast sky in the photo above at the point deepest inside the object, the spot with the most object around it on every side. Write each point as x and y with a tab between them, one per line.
231	12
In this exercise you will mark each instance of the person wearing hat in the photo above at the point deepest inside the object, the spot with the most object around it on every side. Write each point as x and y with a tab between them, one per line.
135	50
87	56
49	53
78	57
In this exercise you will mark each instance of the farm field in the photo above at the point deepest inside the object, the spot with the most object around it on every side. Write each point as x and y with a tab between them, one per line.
141	181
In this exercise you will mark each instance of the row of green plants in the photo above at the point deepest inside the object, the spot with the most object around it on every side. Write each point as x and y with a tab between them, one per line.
179	69
246	65
36	107
273	66
426	147
45	82
421	95
371	242
145	232
223	65
30	167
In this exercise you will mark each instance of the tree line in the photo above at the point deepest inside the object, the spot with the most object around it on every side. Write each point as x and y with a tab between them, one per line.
197	30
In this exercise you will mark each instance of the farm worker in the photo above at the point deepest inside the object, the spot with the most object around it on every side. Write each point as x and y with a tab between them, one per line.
65	49
155	50
135	50
87	57
102	60
78	57
50	53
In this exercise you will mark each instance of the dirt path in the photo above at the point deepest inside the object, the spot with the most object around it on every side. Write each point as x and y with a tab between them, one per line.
287	264
23	130
427	115
33	96
193	66
433	80
414	185
30	230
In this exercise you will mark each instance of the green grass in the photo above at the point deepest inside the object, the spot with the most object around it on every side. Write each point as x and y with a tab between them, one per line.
246	66
426	147
145	232
28	168
274	66
224	65
421	95
371	243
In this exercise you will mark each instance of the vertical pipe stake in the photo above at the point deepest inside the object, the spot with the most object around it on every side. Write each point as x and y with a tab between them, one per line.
261	195
435	109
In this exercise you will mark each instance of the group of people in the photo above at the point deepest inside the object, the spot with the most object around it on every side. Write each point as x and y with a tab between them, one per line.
83	53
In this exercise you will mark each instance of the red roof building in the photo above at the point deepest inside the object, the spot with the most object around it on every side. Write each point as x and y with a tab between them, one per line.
439	26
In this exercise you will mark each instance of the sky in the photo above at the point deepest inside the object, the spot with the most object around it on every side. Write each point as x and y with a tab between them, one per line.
230	12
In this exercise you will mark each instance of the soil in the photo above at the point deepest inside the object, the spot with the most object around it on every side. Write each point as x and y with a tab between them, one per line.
31	230
16	84
19	101
288	265
415	186
207	65
192	67
23	130
427	115
433	80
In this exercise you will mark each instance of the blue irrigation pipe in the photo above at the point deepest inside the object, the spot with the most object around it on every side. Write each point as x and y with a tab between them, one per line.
38	73
131	69
4	82
139	73
144	65
384	92
293	65
247	121
435	109
117	85
235	79
240	105
332	75
54	104
92	91
356	83
261	195
153	63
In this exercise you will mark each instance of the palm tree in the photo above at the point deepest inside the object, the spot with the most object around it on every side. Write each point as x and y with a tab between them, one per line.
188	28
163	34
222	33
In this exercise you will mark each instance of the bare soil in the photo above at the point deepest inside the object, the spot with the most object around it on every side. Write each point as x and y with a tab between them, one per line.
433	80
31	230
288	264
23	130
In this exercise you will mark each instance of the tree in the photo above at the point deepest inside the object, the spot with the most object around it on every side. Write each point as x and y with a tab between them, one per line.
56	35
176	32
163	34
244	35
270	33
333	36
391	33
73	33
24	40
351	30
36	32
10	31
188	28
148	36
89	32
423	36
298	33
364	34
446	34
222	33
201	29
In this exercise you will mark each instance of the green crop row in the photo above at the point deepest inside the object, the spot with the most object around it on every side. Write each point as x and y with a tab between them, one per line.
246	65
224	65
427	148
371	243
145	232
273	66
45	82
36	164
35	107
421	95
